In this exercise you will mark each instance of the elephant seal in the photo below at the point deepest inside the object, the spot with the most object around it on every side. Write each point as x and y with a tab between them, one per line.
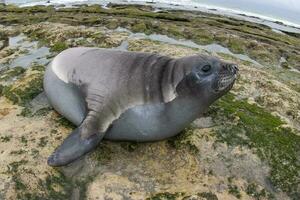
121	95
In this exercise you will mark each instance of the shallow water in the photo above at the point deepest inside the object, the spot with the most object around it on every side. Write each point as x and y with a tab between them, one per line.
30	52
211	48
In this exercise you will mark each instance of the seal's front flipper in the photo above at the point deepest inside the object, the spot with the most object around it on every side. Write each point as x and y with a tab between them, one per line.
73	147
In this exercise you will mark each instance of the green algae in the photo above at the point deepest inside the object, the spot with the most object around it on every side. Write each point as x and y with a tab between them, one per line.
1	89
27	112
36	67
139	27
202	36
14	166
208	195
59	46
43	141
18	152
166	196
5	138
62	121
28	86
11	73
294	60
130	146
22	96
103	153
258	129
23	140
182	195
184	140
236	45
234	190
55	186
253	191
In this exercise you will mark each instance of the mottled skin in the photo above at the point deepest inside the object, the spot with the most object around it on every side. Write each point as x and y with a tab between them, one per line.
122	95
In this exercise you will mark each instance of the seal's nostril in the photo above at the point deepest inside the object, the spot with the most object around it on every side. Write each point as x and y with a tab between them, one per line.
234	68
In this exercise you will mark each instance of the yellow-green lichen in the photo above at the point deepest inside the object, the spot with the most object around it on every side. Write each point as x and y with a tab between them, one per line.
250	125
254	191
59	46
11	73
184	140
26	88
208	195
234	190
166	196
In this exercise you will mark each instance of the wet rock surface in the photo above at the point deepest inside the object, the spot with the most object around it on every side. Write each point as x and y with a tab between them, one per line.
246	146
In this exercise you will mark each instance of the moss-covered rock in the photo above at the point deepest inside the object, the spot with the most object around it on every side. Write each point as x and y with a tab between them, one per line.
139	27
294	60
236	45
3	40
208	195
166	196
11	73
202	36
59	46
54	186
26	88
257	192
256	128
185	139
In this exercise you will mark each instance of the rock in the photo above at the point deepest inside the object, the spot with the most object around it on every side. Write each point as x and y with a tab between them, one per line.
162	48
59	36
2	44
285	65
26	88
3	40
203	122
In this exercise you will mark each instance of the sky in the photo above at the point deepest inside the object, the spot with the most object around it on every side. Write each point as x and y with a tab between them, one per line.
287	10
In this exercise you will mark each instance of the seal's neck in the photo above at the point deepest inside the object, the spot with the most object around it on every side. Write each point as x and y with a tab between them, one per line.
183	110
177	70
174	71
186	100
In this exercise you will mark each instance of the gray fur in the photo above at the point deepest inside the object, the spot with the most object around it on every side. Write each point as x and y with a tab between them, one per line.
123	95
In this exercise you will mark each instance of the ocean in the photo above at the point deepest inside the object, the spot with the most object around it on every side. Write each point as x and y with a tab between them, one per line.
287	12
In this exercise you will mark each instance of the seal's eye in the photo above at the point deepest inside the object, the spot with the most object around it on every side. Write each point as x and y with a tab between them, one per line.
206	68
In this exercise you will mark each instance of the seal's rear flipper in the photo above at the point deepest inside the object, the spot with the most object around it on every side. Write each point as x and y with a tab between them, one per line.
73	147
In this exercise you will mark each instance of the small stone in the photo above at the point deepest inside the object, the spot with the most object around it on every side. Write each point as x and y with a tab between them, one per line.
285	65
203	122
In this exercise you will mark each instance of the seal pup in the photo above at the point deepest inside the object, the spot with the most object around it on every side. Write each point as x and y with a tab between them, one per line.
121	95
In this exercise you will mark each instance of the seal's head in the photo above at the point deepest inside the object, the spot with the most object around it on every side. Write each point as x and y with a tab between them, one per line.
209	78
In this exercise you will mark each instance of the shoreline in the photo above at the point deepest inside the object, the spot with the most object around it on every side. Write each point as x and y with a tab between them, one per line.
274	23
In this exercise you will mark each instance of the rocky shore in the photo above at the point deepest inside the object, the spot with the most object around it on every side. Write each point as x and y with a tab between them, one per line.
247	146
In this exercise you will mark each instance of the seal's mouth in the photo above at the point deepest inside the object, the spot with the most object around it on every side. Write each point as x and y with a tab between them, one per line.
226	79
